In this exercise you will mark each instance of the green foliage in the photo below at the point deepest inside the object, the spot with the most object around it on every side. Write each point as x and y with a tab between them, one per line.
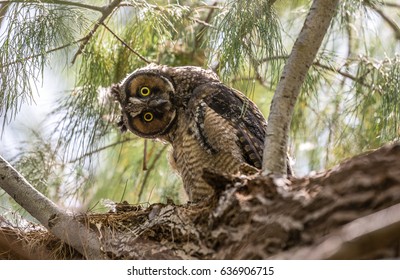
349	101
31	31
247	33
87	111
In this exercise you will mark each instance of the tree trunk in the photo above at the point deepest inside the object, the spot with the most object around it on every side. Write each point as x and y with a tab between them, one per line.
301	58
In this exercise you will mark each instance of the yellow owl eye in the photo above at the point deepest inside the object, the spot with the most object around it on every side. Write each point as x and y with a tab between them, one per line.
144	91
148	117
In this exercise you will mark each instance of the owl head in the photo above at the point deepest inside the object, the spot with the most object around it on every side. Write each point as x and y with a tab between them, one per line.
146	102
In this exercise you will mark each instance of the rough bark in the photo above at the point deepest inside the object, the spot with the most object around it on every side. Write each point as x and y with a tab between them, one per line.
348	212
301	58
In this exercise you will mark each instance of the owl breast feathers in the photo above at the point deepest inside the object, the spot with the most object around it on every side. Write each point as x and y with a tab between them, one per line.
208	124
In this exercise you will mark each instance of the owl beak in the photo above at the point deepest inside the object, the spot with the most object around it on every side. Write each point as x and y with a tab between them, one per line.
160	104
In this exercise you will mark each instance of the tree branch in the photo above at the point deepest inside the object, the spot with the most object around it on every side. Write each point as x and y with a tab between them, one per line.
354	240
302	56
391	4
106	11
61	224
319	64
126	45
149	170
341	72
387	19
41	54
3	12
88	154
59	2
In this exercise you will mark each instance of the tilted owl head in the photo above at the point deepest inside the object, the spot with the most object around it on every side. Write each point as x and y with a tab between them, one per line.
150	97
146	102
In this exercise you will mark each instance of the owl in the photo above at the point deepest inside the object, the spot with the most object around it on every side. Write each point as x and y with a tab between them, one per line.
209	125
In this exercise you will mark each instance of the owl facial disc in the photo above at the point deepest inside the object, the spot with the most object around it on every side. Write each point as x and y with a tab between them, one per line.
146	101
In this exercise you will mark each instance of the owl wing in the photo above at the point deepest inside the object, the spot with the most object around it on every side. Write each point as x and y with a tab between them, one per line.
218	110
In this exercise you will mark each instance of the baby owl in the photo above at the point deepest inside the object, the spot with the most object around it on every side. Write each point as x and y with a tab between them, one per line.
208	124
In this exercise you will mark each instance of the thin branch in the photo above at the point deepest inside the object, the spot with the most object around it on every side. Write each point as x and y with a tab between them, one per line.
126	45
391	4
326	67
207	20
255	64
204	23
59	2
99	150
350	42
341	72
144	166
38	55
3	12
151	167
385	17
106	11
199	36
62	224
208	7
